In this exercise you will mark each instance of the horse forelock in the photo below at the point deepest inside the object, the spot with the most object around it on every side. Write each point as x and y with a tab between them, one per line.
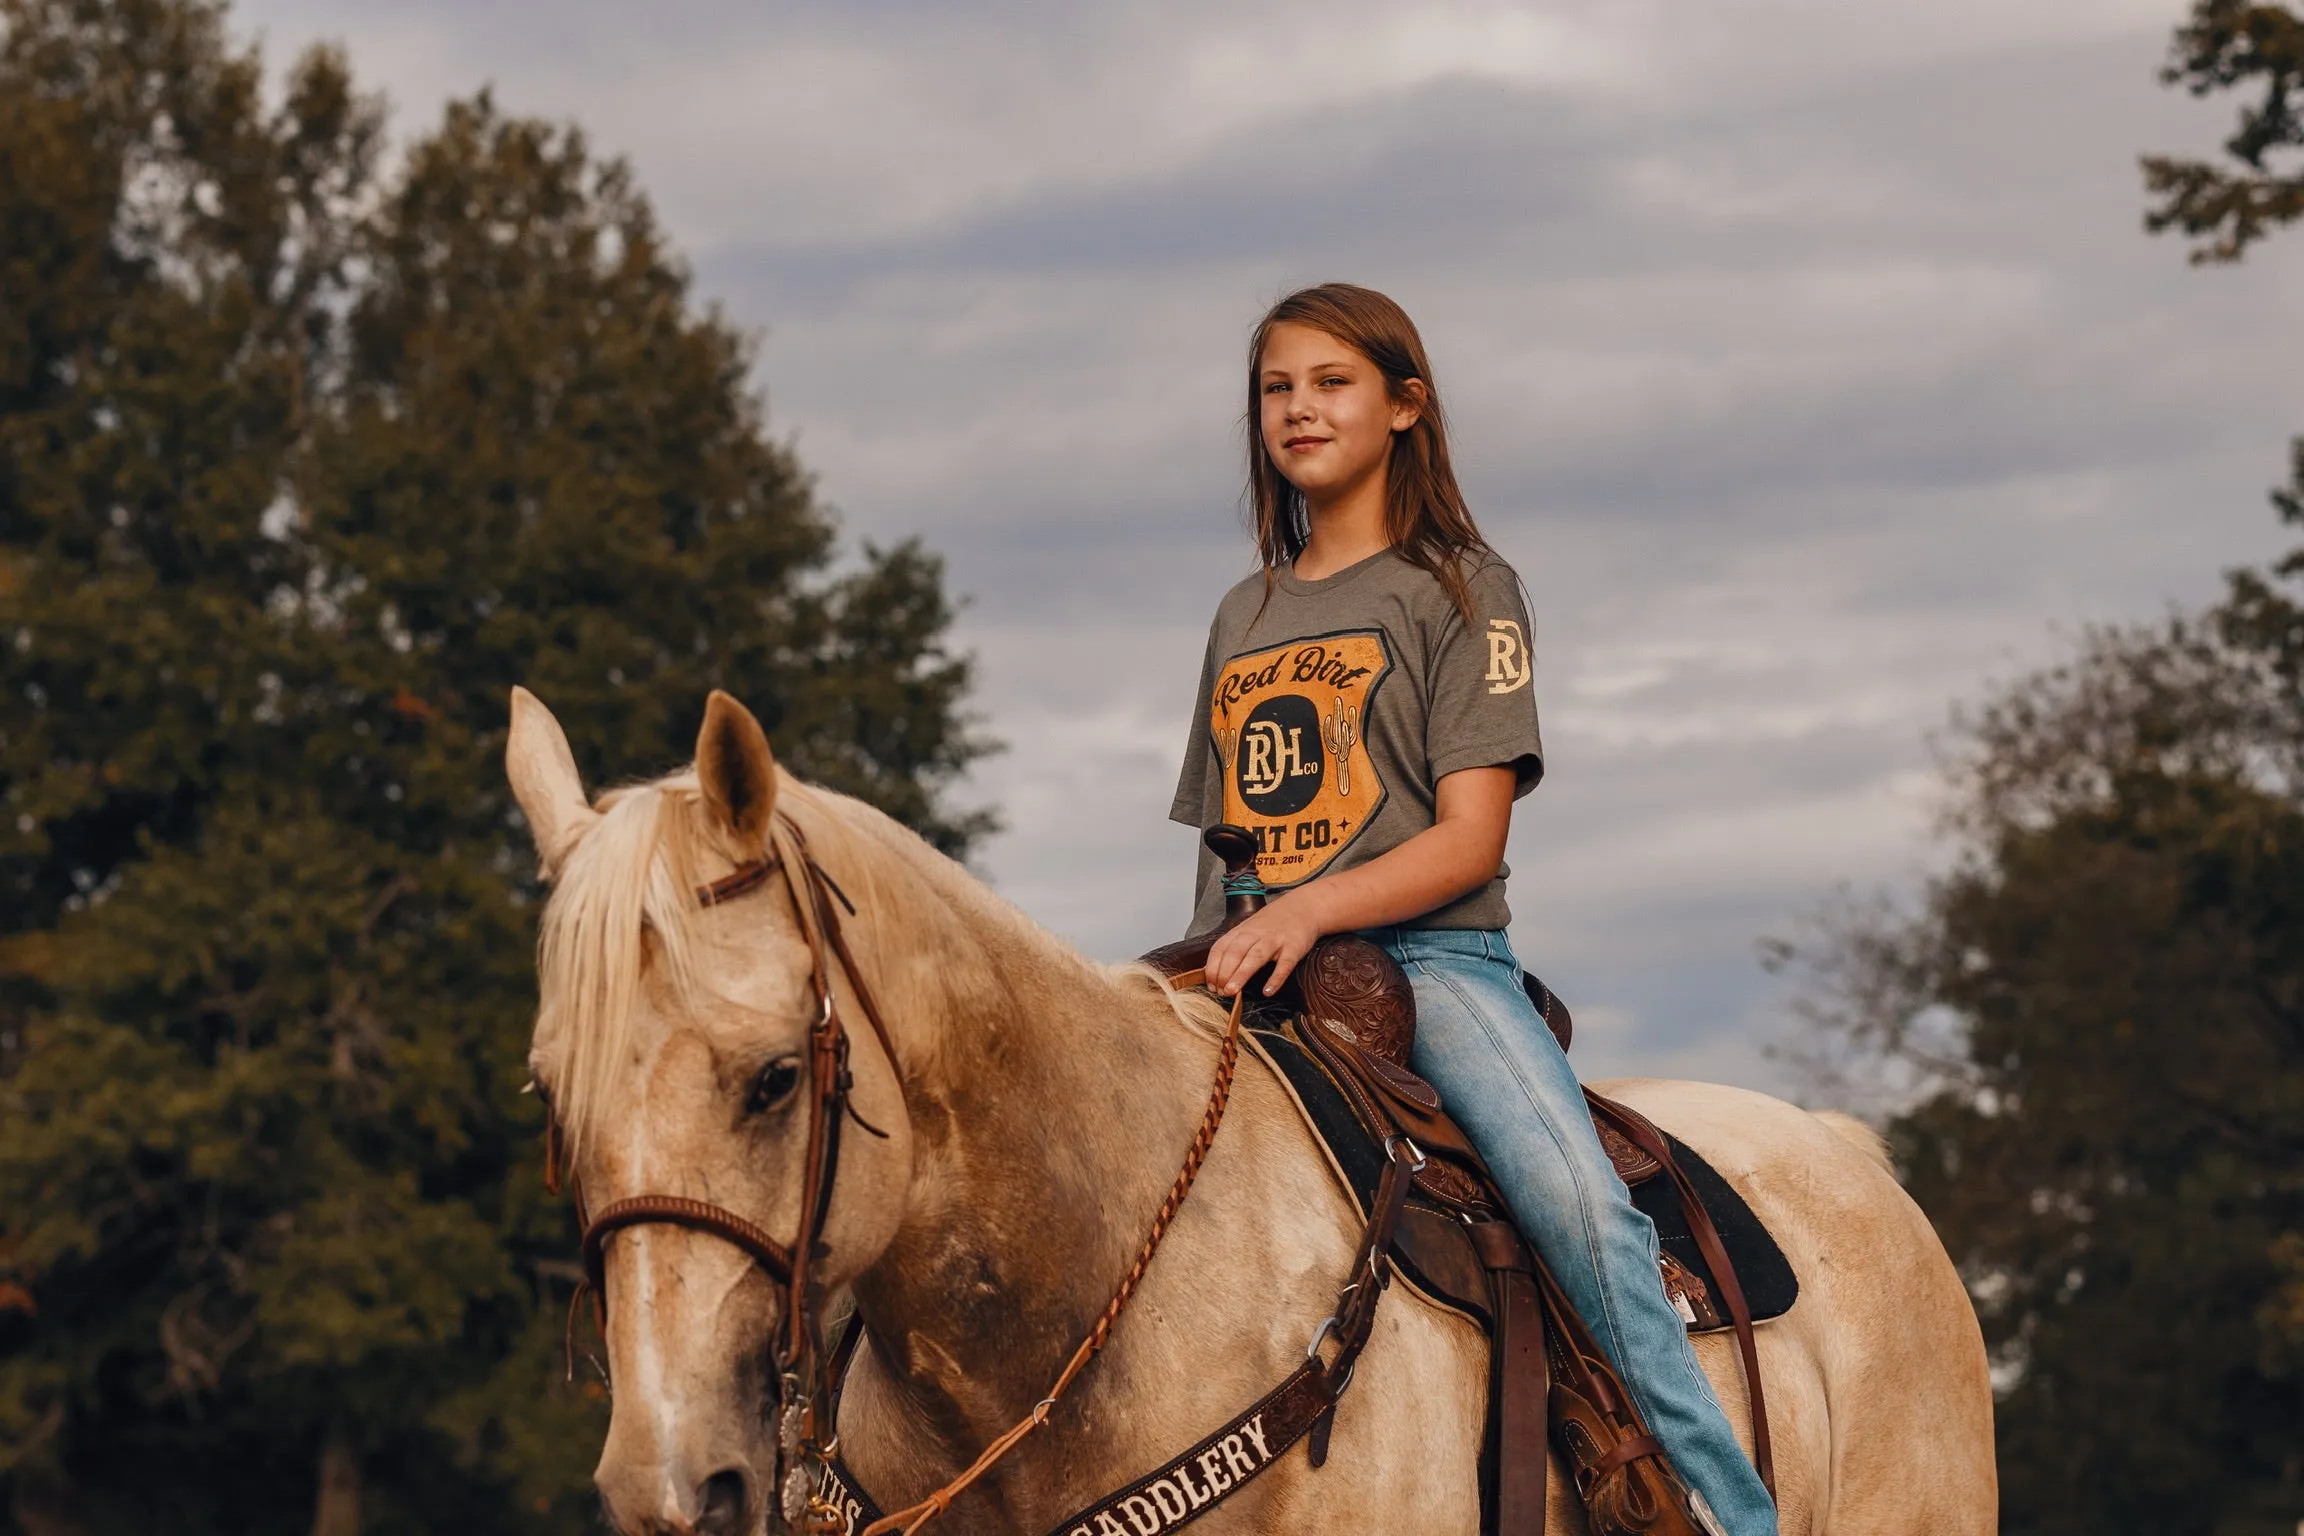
624	912
626	879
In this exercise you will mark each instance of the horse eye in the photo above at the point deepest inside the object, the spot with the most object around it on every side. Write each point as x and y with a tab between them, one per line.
774	1085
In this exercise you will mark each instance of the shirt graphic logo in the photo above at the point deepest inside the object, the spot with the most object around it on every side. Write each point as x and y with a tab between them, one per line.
1289	725
1508	667
1281	761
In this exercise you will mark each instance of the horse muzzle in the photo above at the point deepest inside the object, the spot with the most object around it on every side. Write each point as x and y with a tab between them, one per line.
652	1501
691	1447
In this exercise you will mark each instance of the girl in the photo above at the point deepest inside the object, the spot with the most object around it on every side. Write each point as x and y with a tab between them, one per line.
1365	711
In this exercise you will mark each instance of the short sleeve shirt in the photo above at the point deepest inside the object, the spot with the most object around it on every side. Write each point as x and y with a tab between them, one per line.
1330	710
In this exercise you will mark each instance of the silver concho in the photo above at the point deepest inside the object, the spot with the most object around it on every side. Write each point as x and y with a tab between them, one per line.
795	1493
788	1426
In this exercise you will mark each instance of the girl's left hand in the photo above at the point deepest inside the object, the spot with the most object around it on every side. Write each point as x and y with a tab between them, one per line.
1279	935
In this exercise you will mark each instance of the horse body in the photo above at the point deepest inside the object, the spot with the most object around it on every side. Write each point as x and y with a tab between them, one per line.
1035	1111
1027	1209
1879	1397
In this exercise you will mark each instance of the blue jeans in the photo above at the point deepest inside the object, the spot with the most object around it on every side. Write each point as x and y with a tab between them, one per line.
1506	1080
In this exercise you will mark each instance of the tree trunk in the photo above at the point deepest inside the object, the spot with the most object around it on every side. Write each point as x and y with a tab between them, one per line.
338	1510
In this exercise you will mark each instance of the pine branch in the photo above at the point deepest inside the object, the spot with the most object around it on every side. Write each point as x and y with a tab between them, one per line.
2228	45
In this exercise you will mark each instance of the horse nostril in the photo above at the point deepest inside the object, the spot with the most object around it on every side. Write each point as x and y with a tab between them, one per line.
720	1505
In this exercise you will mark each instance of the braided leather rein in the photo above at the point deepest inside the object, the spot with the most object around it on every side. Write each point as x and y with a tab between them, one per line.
909	1520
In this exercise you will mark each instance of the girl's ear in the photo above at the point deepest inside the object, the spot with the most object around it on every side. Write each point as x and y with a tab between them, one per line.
1408	406
544	781
737	773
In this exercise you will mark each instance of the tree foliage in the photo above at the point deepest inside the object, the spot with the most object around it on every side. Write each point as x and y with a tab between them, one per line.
2092	1027
2244	45
305	459
2098	1014
2227	45
2091	1030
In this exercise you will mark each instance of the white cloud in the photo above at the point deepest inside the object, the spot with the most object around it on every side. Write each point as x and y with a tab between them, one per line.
1806	359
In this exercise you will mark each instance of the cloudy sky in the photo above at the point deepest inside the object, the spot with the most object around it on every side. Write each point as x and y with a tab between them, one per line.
1805	356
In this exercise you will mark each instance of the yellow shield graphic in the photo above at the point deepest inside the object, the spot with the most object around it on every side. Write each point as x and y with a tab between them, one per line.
1289	725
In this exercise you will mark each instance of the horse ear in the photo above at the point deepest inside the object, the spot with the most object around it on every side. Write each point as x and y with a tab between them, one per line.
737	772
545	781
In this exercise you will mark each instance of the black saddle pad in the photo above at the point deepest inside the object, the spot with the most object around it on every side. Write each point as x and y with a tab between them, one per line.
1355	1151
1770	1287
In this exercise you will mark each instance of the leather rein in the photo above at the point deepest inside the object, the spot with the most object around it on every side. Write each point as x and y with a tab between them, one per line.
807	1439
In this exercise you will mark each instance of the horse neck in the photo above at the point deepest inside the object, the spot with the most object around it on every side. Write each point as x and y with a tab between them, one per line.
1049	1112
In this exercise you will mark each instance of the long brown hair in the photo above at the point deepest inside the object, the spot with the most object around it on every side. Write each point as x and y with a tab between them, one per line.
1424	512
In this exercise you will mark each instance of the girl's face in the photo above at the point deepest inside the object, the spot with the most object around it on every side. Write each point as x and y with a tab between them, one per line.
1326	416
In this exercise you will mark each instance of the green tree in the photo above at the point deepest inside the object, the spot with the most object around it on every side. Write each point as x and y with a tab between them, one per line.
2096	1021
2091	1030
302	465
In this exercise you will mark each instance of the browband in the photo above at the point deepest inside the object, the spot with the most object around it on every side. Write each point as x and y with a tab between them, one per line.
745	878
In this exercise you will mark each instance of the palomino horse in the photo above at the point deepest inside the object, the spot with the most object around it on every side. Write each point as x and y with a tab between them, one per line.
1035	1107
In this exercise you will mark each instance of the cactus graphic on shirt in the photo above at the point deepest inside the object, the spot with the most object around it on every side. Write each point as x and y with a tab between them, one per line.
1340	732
1227	748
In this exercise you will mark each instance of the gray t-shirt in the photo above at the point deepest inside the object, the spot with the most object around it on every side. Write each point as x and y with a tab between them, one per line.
1328	714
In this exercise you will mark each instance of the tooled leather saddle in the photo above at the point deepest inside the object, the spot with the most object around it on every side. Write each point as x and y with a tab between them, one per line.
1340	1032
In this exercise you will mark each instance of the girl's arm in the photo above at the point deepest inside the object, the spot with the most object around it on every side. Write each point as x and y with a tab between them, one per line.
1459	852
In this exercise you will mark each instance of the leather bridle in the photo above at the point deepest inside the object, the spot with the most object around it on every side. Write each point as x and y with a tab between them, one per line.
801	1364
806	1437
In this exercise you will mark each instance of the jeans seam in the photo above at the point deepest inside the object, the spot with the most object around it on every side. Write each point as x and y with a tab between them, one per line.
1727	1479
1575	1173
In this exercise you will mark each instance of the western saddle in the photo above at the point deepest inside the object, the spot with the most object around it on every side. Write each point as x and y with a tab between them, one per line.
1341	1031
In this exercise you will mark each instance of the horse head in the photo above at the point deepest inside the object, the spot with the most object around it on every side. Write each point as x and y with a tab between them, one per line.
683	1000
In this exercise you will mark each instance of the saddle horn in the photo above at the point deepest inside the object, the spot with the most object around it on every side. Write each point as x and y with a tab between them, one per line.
1236	846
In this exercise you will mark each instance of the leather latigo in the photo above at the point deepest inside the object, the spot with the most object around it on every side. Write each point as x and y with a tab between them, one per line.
1548	1379
1353	1010
1457	1240
1453	1173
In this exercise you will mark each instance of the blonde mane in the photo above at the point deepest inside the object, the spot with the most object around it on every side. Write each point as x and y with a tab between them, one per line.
624	902
1197	1011
624	906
